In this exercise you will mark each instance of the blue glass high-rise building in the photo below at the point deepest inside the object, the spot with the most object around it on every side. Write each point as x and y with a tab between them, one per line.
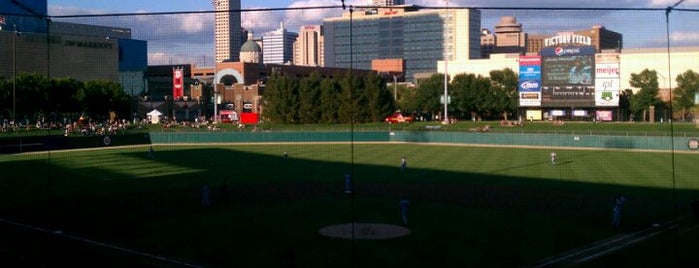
420	37
25	16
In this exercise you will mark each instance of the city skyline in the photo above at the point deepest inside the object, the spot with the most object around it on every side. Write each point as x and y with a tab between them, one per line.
189	38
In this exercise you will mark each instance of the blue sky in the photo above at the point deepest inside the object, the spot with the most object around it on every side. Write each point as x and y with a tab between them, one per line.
188	38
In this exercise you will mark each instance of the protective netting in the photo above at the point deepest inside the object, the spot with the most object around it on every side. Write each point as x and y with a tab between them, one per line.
182	137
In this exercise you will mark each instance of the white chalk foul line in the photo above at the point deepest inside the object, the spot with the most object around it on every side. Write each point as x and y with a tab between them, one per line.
618	242
97	243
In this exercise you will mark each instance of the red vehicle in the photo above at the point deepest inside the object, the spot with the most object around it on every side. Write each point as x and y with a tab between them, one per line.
398	117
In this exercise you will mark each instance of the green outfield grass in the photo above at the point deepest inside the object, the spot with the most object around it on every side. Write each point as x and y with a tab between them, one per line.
470	206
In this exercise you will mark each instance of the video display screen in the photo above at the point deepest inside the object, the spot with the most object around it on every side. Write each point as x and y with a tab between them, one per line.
568	70
568	77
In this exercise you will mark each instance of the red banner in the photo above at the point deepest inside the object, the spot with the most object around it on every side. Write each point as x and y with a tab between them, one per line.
249	118
177	83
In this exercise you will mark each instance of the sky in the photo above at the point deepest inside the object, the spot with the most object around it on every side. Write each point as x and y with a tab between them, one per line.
188	38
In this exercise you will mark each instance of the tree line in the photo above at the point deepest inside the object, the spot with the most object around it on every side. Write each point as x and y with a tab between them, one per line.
38	97
682	105
315	99
342	99
349	98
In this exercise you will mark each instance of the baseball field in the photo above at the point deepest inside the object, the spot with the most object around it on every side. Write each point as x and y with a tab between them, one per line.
470	206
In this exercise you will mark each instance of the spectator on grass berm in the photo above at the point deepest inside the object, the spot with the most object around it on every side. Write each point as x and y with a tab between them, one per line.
618	203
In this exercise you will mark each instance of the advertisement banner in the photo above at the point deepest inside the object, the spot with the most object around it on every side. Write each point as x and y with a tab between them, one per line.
532	85
607	57
534	115
529	85
607	70
603	115
177	83
607	92
529	99
249	118
529	72
529	60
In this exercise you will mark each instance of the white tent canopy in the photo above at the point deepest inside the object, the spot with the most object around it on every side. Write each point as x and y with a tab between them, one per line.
154	116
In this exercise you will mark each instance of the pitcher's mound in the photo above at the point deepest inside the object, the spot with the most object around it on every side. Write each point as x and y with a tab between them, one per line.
368	231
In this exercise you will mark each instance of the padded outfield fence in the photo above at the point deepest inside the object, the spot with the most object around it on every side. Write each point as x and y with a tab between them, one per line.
494	139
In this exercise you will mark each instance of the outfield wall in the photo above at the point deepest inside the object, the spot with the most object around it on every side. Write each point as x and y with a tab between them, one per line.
262	137
499	139
13	145
547	140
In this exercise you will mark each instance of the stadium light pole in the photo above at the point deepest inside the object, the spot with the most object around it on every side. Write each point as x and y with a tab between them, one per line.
395	86
215	105
14	73
446	65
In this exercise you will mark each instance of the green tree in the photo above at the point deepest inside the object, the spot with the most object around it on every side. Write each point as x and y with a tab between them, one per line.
32	98
683	94
407	98
5	98
329	100
281	99
350	108
63	95
101	98
379	98
472	95
505	95
309	99
647	96
427	95
625	103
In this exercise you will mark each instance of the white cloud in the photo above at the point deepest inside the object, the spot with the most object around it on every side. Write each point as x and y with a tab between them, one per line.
312	15
158	58
667	3
195	22
55	10
260	21
685	37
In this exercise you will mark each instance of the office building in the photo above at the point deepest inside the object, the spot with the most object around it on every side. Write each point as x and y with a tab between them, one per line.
278	46
487	43
308	48
227	31
509	37
419	37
